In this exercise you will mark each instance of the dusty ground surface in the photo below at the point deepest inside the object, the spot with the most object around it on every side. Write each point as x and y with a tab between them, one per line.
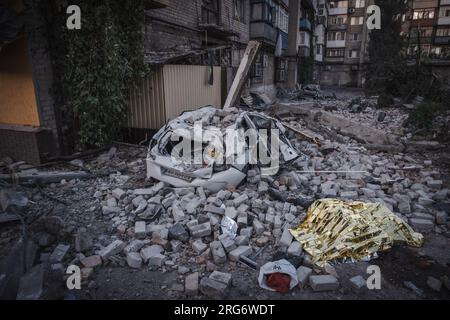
75	207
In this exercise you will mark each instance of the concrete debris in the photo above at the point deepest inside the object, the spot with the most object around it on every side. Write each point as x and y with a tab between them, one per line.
31	285
201	220
323	283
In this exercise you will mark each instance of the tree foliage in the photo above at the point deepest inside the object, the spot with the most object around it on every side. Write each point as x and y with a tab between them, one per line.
388	66
97	65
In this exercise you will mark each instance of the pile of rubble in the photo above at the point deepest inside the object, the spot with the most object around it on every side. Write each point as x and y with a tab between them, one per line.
121	218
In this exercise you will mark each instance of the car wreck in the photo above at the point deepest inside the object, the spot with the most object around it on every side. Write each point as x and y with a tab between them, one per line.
251	138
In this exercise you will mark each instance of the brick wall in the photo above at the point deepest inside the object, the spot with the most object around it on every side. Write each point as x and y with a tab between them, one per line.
183	17
42	69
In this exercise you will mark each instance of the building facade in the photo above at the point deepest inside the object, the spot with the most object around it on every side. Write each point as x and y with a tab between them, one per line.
346	43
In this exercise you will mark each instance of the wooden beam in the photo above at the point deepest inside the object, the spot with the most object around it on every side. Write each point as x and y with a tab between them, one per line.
242	73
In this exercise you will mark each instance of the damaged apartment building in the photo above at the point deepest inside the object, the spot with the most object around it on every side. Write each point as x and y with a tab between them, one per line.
347	38
195	48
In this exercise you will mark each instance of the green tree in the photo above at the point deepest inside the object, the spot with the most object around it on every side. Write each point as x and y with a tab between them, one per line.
97	65
388	65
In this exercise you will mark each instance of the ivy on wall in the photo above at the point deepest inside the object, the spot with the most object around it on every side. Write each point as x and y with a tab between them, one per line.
96	66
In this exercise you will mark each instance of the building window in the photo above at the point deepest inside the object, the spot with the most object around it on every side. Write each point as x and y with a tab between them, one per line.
338	4
353	53
263	10
258	69
444	12
423	14
239	10
338	20
319	49
210	12
335	53
282	20
336	36
281	70
356	21
424	32
302	38
360	3
355	36
443	32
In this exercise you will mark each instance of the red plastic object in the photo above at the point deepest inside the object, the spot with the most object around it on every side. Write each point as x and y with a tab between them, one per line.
279	282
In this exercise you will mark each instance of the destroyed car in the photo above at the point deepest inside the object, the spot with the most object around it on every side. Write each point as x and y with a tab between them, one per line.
205	161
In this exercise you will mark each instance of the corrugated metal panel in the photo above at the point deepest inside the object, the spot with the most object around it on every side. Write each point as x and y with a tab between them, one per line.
146	107
186	88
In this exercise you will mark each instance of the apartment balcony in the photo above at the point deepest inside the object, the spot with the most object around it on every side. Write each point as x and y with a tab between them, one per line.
334	60
337	27
263	31
442	40
423	40
336	11
423	23
155	4
443	21
305	25
336	44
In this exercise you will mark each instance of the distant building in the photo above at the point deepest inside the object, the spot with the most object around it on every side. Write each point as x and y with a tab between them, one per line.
346	43
427	28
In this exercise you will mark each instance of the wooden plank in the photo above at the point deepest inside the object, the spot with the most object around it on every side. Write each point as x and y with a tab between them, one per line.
242	73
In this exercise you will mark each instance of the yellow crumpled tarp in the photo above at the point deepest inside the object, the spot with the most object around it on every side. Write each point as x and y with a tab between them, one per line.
336	230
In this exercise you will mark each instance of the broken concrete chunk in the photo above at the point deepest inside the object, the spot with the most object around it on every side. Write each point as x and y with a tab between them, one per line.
134	246
157	260
218	253
140	229
303	274
178	232
212	288
231	212
358	284
227	242
221	277
240	200
199	230
258	227
148	252
213	209
111	250
421	225
323	283
286	239
134	260
59	253
199	247
240	251
92	261
119	194
295	249
191	284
